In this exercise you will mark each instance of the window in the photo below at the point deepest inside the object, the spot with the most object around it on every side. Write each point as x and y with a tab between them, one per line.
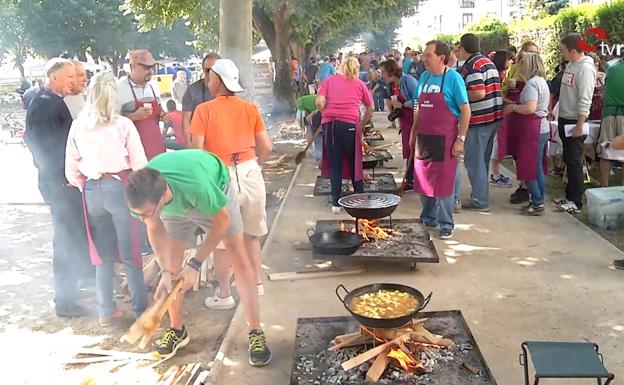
466	19
467	3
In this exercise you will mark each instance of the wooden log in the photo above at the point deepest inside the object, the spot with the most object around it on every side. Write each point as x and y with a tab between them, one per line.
372	353
149	321
378	367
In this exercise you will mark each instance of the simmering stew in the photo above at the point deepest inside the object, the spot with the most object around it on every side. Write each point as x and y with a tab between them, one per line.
384	304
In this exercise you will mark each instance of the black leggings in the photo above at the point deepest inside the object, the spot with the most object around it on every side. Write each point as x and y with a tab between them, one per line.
339	141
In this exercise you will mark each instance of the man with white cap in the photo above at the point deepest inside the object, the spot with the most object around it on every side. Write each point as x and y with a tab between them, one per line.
139	97
232	129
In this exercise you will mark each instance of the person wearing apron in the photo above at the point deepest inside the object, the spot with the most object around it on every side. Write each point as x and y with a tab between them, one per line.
441	121
144	108
338	99
102	148
530	130
403	93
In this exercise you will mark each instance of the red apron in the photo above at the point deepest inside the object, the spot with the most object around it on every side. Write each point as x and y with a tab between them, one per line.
134	231
524	133
434	164
148	128
347	167
505	145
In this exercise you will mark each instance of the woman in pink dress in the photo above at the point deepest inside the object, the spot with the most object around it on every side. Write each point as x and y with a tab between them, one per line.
339	100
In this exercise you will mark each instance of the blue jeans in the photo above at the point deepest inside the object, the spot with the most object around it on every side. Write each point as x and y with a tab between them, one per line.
109	221
478	150
437	211
340	140
537	187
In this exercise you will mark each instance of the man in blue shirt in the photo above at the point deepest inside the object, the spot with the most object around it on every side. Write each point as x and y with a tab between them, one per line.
407	60
442	107
326	69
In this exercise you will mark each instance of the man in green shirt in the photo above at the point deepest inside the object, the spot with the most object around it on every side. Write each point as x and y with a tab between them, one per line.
176	193
612	124
309	119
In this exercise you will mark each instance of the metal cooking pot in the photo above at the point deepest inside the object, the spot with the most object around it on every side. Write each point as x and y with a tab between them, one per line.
334	242
382	323
370	205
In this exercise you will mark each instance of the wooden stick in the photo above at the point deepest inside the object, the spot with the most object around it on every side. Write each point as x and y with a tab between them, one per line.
374	352
114	353
361	340
296	275
92	360
378	367
193	372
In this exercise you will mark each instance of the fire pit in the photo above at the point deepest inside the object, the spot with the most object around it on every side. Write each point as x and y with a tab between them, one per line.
382	183
454	358
386	240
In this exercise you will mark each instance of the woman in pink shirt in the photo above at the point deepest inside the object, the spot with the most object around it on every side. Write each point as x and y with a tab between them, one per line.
102	148
339	99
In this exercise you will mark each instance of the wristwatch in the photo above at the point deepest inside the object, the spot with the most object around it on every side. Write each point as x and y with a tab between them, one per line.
194	263
462	138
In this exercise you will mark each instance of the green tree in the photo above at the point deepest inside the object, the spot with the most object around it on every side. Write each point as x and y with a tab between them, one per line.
536	9
13	37
287	26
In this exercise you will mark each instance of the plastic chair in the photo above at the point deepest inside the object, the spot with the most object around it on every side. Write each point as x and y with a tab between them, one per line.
564	360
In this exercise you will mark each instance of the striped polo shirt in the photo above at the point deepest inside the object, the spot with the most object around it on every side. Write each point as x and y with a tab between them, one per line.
480	73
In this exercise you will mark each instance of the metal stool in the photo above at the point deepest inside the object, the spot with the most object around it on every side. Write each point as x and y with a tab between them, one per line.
564	360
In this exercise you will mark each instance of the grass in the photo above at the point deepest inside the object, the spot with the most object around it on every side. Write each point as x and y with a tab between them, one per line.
556	188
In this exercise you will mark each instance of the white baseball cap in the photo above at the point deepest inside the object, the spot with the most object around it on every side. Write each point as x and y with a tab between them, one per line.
228	71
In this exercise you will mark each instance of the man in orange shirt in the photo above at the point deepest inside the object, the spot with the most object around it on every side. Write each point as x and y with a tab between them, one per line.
233	130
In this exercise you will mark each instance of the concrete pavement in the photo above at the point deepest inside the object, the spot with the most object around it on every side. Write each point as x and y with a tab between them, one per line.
515	278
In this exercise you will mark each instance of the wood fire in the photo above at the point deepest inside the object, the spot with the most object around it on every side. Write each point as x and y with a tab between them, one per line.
368	229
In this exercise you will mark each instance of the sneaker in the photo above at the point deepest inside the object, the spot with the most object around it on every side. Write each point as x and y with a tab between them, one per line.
619	264
336	210
106	321
473	206
217	303
569	207
457	206
260	289
560	200
445	233
70	310
535	210
519	196
171	341
259	353
431	226
500	181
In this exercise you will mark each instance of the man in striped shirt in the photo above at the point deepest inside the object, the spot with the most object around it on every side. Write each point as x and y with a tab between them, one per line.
486	103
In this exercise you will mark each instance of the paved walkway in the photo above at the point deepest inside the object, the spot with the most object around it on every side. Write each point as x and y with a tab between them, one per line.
515	278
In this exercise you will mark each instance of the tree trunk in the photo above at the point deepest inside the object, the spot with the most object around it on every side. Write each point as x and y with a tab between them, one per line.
235	39
19	64
277	33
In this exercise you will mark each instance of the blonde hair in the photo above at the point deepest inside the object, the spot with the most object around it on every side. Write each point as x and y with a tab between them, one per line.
350	68
531	65
102	107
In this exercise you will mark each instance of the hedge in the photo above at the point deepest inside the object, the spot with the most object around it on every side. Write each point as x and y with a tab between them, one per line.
546	32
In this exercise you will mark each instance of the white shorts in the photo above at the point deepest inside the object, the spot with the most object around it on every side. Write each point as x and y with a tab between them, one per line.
248	183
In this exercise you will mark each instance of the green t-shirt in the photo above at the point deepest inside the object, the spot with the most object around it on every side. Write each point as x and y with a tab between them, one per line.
197	179
307	103
613	101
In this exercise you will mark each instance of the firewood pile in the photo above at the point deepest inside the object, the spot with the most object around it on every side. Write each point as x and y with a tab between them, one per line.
412	349
108	367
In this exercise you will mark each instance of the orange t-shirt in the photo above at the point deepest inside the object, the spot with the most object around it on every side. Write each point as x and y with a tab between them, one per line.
229	126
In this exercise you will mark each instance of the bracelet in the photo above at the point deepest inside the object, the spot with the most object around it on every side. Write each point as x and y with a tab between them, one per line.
195	264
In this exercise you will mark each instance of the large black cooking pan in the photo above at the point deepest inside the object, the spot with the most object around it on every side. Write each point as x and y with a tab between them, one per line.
334	242
385	323
370	205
